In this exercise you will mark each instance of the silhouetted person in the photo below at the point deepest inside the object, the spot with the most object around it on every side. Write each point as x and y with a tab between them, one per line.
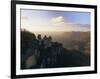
45	41
47	51
40	43
39	39
49	41
41	49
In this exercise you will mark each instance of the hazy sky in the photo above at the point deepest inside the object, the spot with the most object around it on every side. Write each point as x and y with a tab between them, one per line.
46	20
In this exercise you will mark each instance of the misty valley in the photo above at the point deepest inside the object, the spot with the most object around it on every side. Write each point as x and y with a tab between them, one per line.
43	49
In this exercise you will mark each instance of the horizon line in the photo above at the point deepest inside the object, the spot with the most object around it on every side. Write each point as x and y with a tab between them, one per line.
54	30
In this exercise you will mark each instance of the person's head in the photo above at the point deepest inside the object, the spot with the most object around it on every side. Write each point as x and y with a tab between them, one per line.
39	36
45	37
50	38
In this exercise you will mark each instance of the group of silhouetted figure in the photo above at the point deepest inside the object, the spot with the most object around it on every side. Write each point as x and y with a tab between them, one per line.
45	47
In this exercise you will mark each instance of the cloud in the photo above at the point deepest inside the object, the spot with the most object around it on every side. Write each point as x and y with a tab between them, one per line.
24	22
59	19
24	17
60	24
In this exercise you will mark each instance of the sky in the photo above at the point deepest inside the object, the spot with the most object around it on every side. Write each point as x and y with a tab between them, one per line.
47	20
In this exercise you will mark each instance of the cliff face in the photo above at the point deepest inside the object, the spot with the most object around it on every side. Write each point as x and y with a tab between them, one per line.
35	56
